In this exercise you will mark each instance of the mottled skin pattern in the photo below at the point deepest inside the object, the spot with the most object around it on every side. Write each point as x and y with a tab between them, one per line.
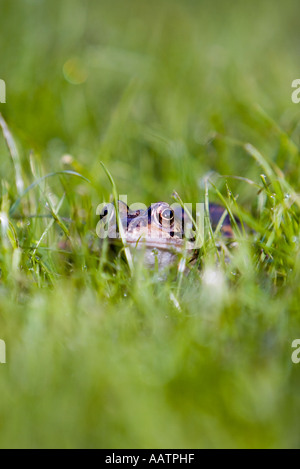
160	231
216	212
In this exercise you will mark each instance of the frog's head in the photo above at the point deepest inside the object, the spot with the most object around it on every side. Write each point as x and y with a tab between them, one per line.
161	231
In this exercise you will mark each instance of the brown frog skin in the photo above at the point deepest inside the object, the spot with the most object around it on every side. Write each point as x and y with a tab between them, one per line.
161	231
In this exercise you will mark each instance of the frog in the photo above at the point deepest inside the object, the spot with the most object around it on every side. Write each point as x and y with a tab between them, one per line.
162	232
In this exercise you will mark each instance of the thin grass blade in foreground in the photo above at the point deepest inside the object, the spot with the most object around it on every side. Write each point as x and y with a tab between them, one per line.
37	183
50	224
13	153
121	230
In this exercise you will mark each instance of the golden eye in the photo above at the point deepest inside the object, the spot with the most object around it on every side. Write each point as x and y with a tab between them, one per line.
166	216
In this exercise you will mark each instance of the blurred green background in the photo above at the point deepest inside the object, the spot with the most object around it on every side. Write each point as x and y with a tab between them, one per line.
146	86
159	91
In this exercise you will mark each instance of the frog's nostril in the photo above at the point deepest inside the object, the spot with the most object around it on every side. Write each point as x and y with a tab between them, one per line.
135	214
104	214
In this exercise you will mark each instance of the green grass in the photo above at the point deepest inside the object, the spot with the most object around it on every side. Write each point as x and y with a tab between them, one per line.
185	96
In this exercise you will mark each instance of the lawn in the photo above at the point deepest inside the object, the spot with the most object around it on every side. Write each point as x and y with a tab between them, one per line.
186	96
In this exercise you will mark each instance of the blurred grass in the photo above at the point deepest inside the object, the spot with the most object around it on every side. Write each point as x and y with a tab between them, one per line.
164	93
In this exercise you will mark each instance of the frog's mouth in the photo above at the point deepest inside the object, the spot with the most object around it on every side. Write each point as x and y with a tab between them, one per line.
173	245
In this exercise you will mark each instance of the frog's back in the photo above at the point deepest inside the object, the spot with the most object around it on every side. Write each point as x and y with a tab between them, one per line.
216	212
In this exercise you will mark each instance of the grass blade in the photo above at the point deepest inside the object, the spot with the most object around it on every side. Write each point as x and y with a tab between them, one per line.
121	230
38	182
13	153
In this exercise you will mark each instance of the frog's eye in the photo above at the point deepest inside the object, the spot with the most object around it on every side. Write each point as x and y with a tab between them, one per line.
166	216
